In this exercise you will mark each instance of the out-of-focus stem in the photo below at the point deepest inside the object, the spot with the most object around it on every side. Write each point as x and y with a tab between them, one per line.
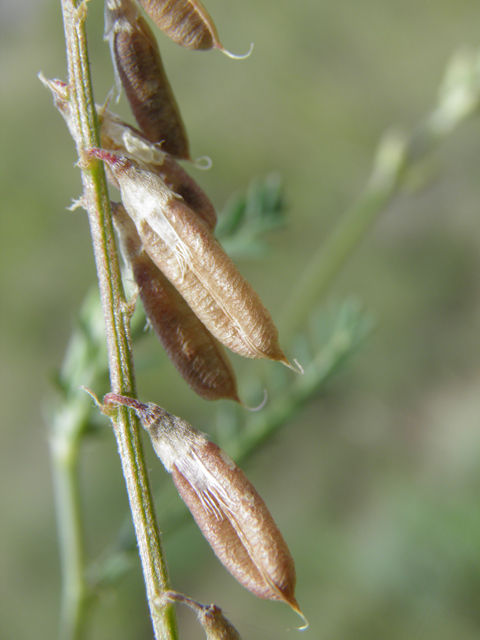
340	244
459	98
64	450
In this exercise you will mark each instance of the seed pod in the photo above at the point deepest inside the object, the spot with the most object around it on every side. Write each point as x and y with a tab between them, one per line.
139	67
227	508
187	23
196	354
118	136
216	626
185	250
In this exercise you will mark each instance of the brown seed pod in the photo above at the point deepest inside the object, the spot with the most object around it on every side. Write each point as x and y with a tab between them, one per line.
139	67
187	23
214	623
196	354
227	508
185	250
118	136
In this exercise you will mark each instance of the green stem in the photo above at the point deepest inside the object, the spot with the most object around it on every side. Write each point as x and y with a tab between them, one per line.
127	428
340	244
75	594
459	99
83	363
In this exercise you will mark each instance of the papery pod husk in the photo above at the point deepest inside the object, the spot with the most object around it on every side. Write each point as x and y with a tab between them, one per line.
197	355
227	508
240	529
140	70
210	616
186	22
120	137
185	250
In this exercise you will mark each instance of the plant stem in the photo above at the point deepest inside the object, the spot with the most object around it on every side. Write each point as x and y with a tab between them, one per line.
116	316
459	99
64	450
353	226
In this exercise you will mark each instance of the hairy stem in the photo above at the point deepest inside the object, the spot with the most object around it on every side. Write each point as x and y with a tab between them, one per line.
127	429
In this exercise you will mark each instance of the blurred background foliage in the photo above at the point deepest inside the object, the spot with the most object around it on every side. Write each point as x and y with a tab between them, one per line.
375	483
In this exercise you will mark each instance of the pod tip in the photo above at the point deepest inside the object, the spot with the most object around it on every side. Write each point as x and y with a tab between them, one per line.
294	604
297	368
203	162
235	56
260	406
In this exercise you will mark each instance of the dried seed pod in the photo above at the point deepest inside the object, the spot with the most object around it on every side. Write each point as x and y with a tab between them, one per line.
216	626
118	136
196	354
185	250
227	508
139	67
186	22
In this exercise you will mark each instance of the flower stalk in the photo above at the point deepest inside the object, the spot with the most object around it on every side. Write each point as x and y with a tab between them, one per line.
116	315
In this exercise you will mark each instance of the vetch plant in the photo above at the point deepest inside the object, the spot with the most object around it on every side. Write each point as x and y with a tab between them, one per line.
194	297
176	239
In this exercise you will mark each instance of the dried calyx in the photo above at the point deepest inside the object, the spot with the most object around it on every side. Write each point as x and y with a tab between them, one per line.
226	506
125	140
214	623
61	100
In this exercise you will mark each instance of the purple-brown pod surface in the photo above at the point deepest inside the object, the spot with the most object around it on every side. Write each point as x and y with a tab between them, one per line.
140	70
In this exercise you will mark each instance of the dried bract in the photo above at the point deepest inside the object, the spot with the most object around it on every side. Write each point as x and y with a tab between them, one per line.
216	626
118	136
60	92
185	250
227	508
196	354
140	70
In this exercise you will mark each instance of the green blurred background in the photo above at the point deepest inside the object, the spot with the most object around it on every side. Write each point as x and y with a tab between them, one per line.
375	484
